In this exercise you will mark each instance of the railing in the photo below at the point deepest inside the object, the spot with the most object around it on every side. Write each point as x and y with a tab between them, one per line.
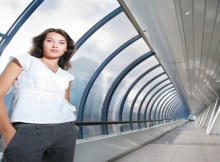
119	122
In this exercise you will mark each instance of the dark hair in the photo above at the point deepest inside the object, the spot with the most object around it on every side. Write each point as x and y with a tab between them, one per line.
37	51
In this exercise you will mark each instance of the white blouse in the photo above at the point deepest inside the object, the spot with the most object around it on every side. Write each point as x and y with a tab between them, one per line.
40	93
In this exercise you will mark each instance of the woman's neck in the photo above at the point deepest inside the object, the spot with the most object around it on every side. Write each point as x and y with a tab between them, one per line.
51	64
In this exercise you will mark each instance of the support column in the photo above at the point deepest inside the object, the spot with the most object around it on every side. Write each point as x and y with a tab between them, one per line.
208	116
214	123
198	118
203	114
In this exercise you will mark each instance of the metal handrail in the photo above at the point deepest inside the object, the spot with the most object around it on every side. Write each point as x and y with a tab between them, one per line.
115	122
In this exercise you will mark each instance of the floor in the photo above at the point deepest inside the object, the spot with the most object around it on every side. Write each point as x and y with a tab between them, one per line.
187	143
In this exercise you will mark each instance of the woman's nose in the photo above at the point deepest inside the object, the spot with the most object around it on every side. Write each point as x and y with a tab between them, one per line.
55	45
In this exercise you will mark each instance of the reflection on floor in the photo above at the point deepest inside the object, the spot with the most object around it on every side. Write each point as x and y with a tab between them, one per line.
187	143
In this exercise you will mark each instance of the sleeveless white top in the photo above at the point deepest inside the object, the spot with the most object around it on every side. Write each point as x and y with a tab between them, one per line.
40	93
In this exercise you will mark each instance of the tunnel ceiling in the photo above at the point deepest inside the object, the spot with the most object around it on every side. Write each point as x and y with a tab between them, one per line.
185	36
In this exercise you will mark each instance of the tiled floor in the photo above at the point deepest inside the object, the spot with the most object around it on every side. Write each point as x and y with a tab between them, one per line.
188	143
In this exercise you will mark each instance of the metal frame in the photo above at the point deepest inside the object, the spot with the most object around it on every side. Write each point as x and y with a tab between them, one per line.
137	95
107	100
6	38
163	102
131	87
149	101
141	104
152	105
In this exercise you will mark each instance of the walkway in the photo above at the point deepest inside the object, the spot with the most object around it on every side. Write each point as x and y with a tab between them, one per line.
187	143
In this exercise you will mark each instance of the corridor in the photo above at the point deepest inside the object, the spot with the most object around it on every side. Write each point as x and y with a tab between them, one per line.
187	143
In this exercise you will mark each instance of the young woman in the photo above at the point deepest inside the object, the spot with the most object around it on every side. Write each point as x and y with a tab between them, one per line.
41	127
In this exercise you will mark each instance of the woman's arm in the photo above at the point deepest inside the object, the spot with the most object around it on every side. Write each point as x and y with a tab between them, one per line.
11	72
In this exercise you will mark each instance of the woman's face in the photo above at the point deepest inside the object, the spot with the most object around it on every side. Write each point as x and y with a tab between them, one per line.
54	45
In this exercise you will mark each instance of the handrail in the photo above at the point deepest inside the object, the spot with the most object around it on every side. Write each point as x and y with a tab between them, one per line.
115	122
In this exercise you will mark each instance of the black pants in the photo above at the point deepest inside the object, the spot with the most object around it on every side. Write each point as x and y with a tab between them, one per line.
42	143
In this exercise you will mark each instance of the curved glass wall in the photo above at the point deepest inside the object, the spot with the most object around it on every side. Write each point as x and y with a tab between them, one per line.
167	105
156	109
117	77
163	102
174	105
150	105
121	111
87	61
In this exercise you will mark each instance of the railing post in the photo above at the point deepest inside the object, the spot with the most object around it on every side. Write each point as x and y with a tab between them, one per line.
149	124
164	122
118	126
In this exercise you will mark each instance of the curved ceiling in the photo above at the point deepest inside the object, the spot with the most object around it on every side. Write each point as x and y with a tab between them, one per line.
185	36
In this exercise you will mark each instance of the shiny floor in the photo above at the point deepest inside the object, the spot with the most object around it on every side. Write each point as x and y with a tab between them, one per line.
187	143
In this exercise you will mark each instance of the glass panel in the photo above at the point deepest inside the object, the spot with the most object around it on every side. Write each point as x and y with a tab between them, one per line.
140	94
92	54
151	103
107	76
125	84
161	104
89	131
175	104
151	93
167	99
9	12
146	100
122	89
156	108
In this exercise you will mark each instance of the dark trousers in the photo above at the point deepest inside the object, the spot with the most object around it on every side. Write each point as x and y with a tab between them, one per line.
42	143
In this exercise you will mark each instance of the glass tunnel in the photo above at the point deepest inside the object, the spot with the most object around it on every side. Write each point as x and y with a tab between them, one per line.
119	78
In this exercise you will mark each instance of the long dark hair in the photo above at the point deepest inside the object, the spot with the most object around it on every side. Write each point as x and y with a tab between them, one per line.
37	51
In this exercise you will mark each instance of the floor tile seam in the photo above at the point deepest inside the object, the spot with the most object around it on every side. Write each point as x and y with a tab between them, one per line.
175	152
205	153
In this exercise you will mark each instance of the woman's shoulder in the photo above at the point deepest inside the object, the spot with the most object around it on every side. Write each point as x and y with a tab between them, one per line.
24	59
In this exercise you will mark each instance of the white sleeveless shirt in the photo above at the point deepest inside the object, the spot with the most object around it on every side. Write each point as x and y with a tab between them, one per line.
40	93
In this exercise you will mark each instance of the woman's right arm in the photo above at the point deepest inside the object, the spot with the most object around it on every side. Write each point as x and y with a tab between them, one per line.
8	76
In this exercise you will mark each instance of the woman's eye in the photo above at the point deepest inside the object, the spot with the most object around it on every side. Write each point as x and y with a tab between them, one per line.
49	40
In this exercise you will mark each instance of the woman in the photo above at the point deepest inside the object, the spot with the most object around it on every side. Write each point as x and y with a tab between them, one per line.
42	126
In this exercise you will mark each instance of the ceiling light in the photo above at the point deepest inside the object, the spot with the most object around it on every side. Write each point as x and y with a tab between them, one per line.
187	13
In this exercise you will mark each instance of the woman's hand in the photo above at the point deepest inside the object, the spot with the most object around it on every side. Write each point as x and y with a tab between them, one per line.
7	77
7	137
